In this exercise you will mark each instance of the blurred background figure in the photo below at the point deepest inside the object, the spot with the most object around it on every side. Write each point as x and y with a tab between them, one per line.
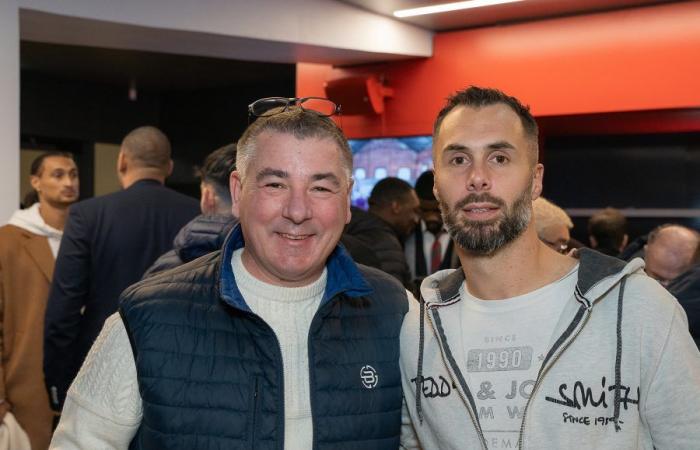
28	247
393	213
607	231
670	251
686	288
429	248
108	243
552	224
206	232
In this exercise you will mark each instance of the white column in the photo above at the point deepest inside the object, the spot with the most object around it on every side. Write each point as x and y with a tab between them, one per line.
9	108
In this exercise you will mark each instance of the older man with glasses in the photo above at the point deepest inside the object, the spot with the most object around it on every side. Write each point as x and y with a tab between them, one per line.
278	340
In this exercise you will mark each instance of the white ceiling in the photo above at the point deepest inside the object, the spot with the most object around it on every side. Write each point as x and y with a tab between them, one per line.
499	14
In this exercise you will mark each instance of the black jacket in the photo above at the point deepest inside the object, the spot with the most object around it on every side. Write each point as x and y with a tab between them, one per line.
108	242
379	236
210	371
686	288
202	235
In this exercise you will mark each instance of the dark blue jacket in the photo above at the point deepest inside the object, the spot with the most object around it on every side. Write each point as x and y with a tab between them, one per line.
210	371
201	235
108	242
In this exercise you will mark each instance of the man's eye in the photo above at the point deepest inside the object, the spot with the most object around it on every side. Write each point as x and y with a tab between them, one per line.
500	159
320	189
459	160
274	185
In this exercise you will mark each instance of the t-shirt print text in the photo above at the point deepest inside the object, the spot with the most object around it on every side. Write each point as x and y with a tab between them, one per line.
579	396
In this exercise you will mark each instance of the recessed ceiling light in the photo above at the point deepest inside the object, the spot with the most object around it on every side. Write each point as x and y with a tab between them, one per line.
446	7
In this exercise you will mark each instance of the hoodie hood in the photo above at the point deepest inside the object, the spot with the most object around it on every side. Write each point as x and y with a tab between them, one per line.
29	219
597	274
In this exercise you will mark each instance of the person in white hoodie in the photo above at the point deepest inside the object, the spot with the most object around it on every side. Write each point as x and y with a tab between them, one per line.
28	247
525	347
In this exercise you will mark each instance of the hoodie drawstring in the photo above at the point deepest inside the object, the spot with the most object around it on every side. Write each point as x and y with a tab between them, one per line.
419	370
618	356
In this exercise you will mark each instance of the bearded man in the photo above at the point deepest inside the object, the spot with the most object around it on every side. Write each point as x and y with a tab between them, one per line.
525	347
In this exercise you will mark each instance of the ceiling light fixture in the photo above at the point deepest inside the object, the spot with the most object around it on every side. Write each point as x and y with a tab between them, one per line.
446	7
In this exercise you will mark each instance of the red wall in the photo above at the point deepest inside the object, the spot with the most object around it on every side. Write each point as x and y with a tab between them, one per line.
630	60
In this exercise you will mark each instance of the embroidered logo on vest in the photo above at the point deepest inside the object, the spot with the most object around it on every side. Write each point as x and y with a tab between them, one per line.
369	377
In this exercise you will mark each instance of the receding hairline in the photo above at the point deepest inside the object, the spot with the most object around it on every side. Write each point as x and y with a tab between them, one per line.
531	137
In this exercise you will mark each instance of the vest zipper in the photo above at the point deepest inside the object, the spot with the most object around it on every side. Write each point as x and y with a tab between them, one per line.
561	350
254	421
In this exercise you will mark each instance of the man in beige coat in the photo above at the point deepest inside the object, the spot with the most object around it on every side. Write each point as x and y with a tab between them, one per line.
28	247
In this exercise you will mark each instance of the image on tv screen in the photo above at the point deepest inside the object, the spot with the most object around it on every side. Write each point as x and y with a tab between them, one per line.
375	159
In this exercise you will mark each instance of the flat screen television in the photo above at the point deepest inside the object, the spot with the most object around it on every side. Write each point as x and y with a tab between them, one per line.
375	159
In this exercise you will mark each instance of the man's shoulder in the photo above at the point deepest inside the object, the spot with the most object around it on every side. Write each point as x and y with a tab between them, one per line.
646	295
379	279
196	280
10	231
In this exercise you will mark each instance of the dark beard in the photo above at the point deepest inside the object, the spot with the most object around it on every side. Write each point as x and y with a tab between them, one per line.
485	237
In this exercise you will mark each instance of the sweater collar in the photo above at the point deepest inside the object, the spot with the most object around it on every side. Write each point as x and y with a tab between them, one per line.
343	276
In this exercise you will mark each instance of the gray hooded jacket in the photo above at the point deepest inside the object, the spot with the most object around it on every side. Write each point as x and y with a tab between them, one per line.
621	356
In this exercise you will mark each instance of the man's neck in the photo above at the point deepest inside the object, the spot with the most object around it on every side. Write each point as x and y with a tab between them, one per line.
522	266
132	177
53	215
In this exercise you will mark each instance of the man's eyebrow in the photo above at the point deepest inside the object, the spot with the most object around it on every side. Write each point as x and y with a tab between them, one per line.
455	148
270	172
498	145
501	145
330	176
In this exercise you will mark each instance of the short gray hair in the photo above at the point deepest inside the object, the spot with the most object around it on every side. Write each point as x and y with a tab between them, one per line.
299	123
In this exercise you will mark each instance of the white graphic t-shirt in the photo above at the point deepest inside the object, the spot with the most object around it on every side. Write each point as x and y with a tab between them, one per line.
505	344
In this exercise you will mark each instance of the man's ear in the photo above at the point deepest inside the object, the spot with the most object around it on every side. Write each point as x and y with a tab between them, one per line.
395	206
625	241
34	181
593	241
236	186
169	172
121	163
207	202
537	176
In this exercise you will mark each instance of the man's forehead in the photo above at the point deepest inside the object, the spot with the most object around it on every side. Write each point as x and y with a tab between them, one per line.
496	116
58	161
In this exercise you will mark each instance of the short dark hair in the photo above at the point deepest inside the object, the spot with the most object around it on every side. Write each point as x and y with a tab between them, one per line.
298	122
424	185
38	163
388	190
147	147
217	168
608	227
478	97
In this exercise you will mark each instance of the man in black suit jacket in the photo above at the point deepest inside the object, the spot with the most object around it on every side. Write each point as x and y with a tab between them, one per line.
107	244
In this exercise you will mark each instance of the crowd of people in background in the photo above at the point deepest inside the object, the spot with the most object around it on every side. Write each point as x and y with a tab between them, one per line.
65	264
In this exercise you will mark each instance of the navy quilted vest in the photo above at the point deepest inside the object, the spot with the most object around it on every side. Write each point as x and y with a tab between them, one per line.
210	371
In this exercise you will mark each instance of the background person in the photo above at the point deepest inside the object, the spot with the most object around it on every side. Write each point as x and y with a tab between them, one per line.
429	248
108	243
28	247
392	215
552	224
669	251
607	231
206	232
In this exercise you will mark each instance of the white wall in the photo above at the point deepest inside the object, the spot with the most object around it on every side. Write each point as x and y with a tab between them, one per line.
9	108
